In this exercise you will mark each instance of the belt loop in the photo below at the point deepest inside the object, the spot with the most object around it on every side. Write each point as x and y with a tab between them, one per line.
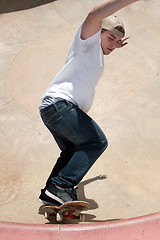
67	103
55	106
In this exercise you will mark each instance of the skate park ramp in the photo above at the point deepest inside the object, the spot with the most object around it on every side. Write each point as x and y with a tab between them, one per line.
124	182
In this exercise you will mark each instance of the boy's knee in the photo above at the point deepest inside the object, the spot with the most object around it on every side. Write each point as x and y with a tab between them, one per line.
104	143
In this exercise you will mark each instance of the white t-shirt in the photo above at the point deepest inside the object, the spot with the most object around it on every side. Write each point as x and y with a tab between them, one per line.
78	78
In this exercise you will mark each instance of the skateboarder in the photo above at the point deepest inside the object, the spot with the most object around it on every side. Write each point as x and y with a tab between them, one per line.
70	95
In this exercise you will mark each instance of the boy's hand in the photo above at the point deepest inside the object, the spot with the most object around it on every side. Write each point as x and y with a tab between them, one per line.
122	42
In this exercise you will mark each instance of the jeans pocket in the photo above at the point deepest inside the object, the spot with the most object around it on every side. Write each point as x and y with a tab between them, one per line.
57	124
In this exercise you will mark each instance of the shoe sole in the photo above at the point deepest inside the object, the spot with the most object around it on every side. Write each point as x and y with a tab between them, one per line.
54	197
44	202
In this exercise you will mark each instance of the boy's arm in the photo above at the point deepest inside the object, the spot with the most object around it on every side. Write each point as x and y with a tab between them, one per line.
92	23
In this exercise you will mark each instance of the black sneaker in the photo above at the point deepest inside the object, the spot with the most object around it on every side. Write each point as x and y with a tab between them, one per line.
44	199
62	196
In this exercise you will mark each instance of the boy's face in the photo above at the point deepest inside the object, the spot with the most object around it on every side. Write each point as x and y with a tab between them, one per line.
109	41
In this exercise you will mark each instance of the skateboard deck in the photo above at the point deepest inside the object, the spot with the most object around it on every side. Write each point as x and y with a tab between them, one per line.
67	210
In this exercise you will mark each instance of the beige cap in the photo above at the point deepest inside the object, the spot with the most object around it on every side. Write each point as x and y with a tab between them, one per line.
113	24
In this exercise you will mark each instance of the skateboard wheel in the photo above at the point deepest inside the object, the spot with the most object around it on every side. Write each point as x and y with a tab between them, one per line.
46	215
59	217
81	217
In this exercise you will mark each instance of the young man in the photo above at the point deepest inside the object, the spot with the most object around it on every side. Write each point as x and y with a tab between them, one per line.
70	96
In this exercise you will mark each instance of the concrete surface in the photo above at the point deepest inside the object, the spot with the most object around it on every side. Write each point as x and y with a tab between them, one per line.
124	182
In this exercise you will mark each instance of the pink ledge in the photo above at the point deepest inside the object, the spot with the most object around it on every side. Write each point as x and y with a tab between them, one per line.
140	228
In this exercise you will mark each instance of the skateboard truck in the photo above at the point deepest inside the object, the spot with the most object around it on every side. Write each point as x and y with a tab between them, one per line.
67	215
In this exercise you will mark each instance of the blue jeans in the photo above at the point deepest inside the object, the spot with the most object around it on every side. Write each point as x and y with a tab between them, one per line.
79	138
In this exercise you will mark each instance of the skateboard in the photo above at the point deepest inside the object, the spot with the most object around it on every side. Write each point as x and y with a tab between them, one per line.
67	210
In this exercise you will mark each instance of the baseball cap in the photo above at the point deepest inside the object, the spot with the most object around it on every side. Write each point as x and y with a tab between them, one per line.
112	23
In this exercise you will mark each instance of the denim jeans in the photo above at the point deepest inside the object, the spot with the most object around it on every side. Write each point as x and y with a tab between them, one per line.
79	138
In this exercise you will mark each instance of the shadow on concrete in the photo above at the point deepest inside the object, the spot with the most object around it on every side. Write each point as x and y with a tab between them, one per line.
81	193
7	6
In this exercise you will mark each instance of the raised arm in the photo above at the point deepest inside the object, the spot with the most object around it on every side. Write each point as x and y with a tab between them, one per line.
93	22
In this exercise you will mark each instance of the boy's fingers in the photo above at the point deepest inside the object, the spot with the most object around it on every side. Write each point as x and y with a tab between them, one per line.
122	43
124	39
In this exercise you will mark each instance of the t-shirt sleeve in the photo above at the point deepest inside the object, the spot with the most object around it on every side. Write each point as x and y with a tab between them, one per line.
83	45
80	46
